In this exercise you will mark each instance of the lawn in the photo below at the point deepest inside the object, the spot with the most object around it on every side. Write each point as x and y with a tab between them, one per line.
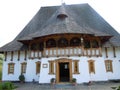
0	69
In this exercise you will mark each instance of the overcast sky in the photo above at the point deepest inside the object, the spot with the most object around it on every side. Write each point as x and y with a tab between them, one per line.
15	14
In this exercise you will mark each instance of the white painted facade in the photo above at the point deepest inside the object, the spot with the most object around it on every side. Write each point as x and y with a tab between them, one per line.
44	76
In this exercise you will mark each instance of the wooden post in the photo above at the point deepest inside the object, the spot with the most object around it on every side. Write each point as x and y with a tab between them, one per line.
106	52
25	52
18	55
11	55
114	52
82	46
5	53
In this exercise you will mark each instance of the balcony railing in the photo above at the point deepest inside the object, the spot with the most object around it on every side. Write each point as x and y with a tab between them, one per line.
68	51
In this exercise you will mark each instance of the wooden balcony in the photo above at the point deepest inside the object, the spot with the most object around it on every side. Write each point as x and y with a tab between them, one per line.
67	51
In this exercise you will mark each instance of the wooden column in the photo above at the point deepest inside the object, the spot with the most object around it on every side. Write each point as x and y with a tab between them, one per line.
5	53
29	51
91	48
18	55
44	51
11	55
82	46
106	52
114	52
100	51
25	52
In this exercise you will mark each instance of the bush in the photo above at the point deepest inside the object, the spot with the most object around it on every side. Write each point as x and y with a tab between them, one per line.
116	88
52	80
7	86
0	86
74	80
22	78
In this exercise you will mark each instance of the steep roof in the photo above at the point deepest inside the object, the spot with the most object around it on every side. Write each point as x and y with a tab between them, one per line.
80	18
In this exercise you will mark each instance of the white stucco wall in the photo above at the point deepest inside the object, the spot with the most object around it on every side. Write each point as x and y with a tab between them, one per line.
44	76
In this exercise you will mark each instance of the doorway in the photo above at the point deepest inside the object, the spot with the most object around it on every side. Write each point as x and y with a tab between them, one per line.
64	72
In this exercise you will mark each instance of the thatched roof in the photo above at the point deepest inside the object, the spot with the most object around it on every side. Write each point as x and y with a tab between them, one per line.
77	19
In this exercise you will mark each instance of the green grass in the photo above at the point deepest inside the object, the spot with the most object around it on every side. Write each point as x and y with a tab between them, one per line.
0	70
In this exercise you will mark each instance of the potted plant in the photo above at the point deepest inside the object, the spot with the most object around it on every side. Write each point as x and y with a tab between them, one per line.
74	81
52	81
22	78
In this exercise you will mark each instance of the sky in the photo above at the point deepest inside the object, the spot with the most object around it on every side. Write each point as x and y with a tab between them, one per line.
16	14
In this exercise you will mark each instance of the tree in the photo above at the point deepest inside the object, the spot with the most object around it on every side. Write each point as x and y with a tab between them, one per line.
1	56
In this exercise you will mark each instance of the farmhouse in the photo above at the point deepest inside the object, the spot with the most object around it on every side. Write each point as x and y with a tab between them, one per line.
64	42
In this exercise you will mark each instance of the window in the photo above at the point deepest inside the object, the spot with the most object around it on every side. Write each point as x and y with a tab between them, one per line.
11	68
41	46
87	43
23	67
62	42
76	67
108	64
51	67
91	66
34	46
62	16
38	65
51	43
95	44
75	41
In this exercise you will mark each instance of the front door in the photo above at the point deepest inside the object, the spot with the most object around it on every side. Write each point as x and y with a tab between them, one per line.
64	72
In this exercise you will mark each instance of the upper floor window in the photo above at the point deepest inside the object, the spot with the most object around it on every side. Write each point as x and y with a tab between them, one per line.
11	68
34	46
62	42
87	43
75	41
95	44
41	46
108	65
62	16
51	43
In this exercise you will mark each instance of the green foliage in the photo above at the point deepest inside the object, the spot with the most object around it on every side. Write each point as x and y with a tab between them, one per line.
7	86
0	70
1	57
1	86
22	78
74	80
116	88
52	80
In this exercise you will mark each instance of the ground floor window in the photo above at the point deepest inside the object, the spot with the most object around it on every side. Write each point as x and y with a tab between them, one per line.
51	67
11	68
108	65
76	66
38	65
91	66
23	67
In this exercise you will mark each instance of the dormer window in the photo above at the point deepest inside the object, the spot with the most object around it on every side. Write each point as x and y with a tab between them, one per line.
62	16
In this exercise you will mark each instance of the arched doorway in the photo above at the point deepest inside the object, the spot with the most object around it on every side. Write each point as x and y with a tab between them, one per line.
63	70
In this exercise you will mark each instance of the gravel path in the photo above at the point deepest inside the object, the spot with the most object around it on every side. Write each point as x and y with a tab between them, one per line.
36	86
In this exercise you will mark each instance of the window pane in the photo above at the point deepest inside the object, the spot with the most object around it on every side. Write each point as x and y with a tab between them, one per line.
23	67
51	67
76	67
10	68
108	64
38	64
